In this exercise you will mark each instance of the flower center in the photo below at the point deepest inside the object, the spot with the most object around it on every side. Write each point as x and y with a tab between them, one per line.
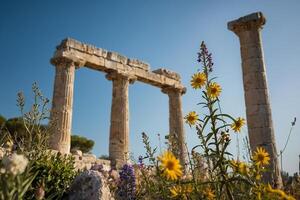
260	157
199	80
170	165
213	90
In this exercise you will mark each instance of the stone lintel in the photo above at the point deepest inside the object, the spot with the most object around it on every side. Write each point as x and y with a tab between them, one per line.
168	90
252	21
138	64
81	55
167	73
115	75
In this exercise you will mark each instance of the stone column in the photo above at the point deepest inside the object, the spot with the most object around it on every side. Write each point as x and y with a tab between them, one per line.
176	129
258	109
119	122
62	103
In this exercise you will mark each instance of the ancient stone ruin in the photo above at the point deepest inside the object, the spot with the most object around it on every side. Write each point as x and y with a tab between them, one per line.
258	109
122	71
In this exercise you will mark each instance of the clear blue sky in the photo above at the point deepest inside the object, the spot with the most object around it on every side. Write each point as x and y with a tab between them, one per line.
164	33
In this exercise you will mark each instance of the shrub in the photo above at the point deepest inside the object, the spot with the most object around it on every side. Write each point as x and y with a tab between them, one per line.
55	173
48	175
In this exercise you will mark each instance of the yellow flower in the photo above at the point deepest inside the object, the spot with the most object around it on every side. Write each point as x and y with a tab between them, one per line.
198	80
237	124
175	191
240	167
209	194
191	118
261	157
181	190
170	166
214	90
278	192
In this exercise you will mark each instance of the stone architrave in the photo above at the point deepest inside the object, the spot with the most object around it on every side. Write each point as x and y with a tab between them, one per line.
61	113
176	129
258	109
119	122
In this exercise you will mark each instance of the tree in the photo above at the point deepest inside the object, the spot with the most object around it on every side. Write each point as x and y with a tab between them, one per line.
81	143
2	120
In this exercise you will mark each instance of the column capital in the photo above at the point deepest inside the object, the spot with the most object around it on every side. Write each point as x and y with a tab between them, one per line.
61	61
169	90
115	75
254	21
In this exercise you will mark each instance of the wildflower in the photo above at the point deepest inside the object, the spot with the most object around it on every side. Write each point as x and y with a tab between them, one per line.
127	185
170	166
140	162
261	157
182	191
205	57
198	80
209	194
258	177
278	192
15	164
191	118
240	167
214	90
237	124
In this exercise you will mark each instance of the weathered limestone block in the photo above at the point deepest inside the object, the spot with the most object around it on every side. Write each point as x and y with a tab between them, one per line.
76	152
258	109
259	120
257	65
259	82
116	57
259	96
70	43
138	64
251	51
167	73
261	134
89	185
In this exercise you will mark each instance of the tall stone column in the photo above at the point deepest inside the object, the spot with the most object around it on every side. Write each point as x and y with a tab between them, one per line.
62	103
176	123
119	122
258	109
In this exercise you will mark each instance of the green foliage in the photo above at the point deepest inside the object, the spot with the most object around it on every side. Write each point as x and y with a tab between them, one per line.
55	172
81	143
50	174
104	157
2	120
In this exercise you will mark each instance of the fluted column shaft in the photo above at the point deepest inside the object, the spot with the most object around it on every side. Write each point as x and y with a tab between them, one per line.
258	109
176	123
119	122
62	104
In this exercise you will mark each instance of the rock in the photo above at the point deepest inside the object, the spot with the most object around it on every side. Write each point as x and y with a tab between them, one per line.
89	185
76	152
